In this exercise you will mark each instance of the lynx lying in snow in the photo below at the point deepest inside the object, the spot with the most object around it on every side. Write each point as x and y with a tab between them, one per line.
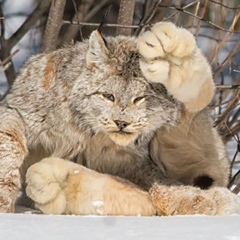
131	112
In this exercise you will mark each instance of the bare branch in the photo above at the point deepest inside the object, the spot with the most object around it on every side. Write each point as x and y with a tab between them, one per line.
7	60
4	53
236	190
227	60
226	38
73	28
225	6
228	111
202	16
54	25
2	25
105	25
227	87
147	18
165	19
125	16
185	7
7	45
202	19
42	7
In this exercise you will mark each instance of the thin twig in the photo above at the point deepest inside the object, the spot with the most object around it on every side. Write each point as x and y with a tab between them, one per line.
97	24
7	45
31	20
234	118
227	87
202	16
226	38
185	7
146	19
165	19
202	19
229	109
234	179
236	190
227	59
7	60
225	6
2	26
72	30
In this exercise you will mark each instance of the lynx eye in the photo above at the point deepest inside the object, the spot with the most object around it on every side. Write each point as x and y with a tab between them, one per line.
109	97
139	100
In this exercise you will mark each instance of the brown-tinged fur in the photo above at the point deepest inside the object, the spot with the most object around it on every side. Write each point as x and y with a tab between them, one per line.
131	110
83	191
193	142
50	74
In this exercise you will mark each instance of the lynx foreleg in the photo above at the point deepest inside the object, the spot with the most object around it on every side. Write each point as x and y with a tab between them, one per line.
12	153
188	200
170	56
171	197
61	187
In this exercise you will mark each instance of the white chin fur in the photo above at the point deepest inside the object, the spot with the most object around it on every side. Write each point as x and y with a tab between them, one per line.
123	139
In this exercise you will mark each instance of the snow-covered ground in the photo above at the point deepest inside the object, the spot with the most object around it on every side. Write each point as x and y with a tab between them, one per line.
42	227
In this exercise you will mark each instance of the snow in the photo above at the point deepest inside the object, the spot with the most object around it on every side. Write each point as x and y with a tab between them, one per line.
98	203
99	206
52	227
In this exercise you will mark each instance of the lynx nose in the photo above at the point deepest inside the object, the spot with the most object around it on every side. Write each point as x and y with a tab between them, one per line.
121	124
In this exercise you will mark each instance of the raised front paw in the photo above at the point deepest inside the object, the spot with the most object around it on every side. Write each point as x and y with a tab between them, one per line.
187	200
165	38
44	180
164	44
169	55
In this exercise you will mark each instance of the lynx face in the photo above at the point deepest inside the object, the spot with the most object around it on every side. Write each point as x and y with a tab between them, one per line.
116	99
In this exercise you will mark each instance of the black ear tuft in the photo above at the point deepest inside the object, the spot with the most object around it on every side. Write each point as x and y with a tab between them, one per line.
98	51
104	18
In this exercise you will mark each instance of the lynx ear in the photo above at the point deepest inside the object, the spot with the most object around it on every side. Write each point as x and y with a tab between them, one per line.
97	52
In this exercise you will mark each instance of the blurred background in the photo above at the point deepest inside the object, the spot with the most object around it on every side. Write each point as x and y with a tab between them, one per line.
29	27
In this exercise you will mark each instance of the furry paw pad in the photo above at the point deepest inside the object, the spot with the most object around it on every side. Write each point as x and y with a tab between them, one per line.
44	180
163	45
165	38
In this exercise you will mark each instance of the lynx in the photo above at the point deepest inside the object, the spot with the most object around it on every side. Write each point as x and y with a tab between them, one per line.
115	126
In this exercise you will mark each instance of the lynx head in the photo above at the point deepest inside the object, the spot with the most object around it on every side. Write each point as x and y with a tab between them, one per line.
115	98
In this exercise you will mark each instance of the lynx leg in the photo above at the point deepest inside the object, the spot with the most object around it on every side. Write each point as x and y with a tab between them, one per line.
170	56
90	192
188	200
59	186
12	153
